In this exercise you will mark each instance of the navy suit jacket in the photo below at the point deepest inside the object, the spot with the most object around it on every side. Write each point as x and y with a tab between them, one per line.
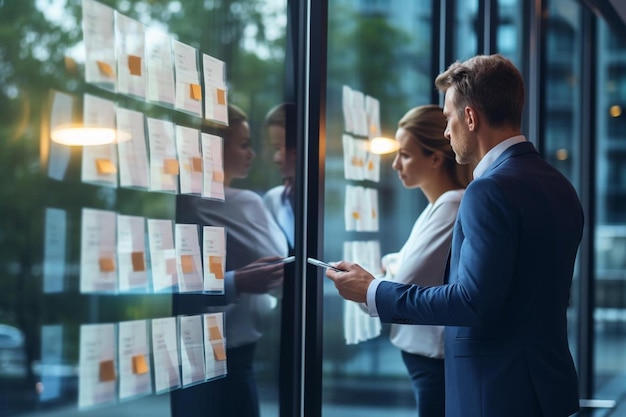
513	251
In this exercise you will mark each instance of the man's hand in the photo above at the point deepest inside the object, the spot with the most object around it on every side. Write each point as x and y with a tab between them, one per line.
260	276
351	284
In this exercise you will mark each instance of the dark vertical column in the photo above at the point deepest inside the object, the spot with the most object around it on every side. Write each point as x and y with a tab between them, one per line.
301	344
490	26
533	68
291	343
586	288
314	81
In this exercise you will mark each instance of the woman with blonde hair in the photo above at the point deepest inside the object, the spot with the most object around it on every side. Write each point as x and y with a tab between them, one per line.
425	160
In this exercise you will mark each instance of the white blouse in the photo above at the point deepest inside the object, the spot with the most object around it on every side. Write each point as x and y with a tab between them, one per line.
422	260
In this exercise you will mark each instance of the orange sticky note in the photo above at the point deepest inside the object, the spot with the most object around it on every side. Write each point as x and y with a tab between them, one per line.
356	215
370	165
170	166
215	266
105	69
138	261
186	262
170	266
70	65
105	166
355	161
373	214
196	164
218	176
107	371
214	333
107	264
214	330
218	351
221	96
195	92
134	64
140	366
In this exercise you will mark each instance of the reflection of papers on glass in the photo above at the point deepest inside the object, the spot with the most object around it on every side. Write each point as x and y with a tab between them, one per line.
130	38
160	67
191	350
358	111
354	113
61	114
353	208
188	258
214	345
215	92
164	169
97	366
346	105
165	353
214	255
54	250
372	167
354	155
359	163
131	254
134	359
212	153
188	90
99	164
162	254
372	113
51	365
190	158
370	210
99	39
358	325
132	153
98	269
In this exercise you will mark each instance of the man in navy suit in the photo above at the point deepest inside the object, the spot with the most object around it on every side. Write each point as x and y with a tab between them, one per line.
512	258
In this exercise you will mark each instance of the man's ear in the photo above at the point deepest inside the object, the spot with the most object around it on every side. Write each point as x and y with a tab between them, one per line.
471	118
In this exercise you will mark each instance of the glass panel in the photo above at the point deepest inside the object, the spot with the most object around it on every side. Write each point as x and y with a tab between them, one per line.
376	50
465	33
90	256
562	111
610	287
509	36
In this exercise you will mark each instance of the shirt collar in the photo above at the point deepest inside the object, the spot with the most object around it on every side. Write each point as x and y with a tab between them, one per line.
495	152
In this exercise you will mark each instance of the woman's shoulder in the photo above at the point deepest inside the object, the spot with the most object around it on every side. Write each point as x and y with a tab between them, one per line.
451	196
243	196
274	194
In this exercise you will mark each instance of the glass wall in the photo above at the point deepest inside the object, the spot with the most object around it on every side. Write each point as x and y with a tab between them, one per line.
610	239
113	300
466	36
379	66
561	138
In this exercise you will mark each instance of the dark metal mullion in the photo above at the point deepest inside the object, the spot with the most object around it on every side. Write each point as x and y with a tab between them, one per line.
534	67
291	344
313	111
488	12
586	288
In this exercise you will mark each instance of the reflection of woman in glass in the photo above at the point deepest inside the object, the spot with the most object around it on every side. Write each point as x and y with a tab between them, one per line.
252	239
280	200
425	160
